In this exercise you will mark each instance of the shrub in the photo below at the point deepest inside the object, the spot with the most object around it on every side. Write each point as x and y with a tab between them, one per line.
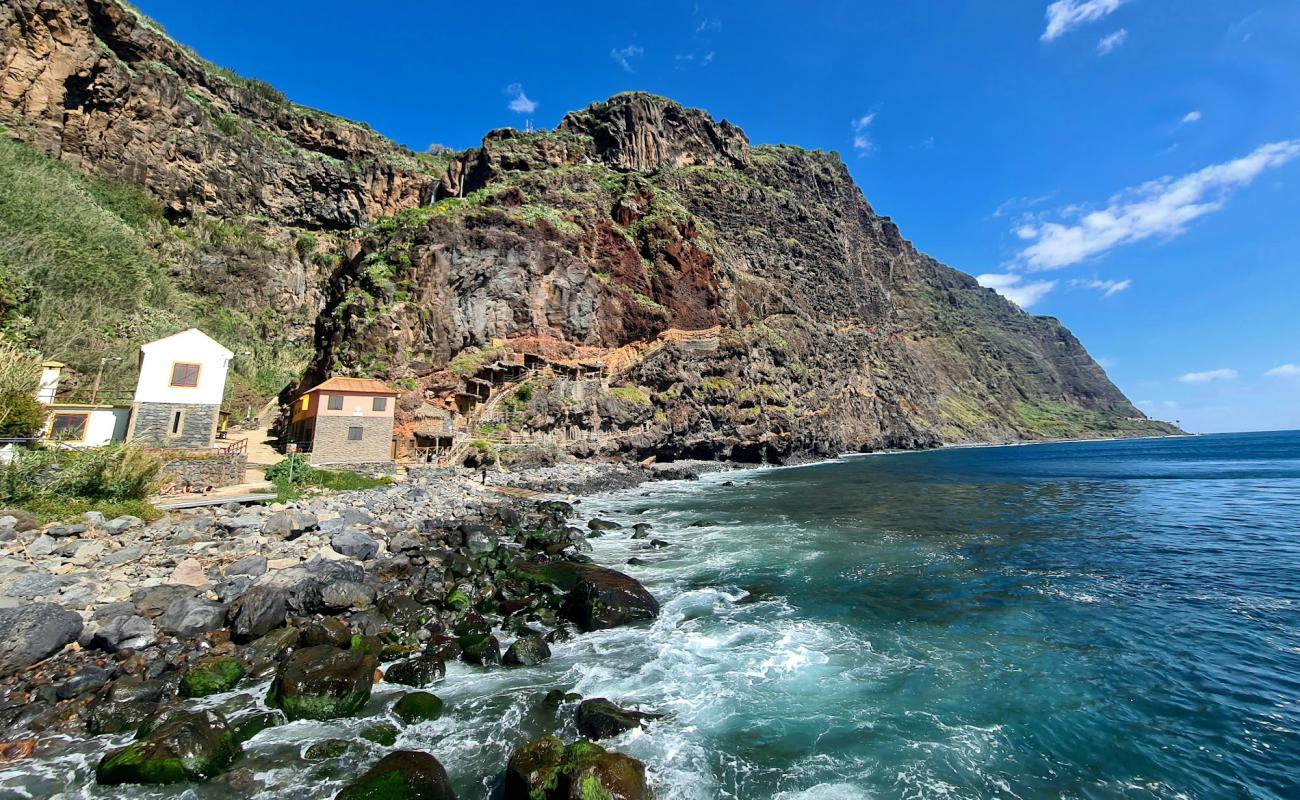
292	474
58	484
20	416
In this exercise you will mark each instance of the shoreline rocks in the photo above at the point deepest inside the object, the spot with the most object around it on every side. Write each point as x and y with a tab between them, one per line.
414	575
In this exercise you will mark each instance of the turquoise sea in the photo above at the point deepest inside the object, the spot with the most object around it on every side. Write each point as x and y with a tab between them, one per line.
1091	620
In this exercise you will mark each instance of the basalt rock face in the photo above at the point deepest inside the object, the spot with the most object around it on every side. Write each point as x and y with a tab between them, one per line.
95	83
637	216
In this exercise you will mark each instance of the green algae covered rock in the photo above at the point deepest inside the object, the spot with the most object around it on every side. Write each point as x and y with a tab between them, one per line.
380	733
322	682
416	707
547	769
401	775
211	676
185	746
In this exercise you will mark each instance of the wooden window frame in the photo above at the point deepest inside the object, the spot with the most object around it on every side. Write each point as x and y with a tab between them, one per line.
176	425
198	370
379	404
361	432
329	402
85	424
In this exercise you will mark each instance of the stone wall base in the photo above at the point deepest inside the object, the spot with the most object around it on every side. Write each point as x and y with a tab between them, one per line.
206	471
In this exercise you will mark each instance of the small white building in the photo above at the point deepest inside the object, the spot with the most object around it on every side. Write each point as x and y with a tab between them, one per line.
77	424
178	396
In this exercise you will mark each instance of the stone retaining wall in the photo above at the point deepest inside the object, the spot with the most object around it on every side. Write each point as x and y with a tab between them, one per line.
205	470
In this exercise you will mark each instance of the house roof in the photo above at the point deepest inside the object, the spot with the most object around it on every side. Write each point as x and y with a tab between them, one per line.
194	337
352	385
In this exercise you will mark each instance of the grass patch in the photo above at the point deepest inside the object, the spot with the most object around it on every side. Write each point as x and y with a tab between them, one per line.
294	478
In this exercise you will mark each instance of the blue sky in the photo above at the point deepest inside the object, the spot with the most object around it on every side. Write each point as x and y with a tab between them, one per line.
1129	166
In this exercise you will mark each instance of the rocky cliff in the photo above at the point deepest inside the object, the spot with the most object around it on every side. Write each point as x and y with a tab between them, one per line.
743	301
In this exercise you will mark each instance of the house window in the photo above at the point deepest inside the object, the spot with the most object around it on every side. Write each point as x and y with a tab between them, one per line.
335	402
178	422
186	375
306	402
69	427
354	433
379	404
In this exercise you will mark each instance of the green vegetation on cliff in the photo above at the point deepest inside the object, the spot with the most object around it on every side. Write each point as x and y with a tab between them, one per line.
89	271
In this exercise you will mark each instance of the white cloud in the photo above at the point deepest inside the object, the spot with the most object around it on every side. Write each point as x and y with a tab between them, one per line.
623	55
1107	288
1191	116
709	25
1161	207
1209	375
1284	371
1108	44
1064	16
519	102
1011	287
861	141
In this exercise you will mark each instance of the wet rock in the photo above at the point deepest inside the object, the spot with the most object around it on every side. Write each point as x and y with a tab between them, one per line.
443	648
401	775
415	707
598	718
253	566
480	648
211	675
547	769
659	544
134	689
420	671
380	733
34	632
640	531
526	651
343	595
355	544
558	697
322	682
186	746
264	655
114	717
597	597
248	726
191	616
289	524
327	749
86	679
330	630
257	612
603	525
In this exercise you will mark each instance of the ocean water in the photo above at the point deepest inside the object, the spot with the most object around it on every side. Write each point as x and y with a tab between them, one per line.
1092	620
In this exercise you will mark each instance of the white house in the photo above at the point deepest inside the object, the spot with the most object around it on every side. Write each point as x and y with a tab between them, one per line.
178	396
78	424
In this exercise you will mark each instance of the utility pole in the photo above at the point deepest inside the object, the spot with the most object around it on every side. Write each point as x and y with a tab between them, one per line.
99	374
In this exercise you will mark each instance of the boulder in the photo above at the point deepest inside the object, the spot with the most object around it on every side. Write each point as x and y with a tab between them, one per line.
33	633
380	733
343	595
211	675
598	718
253	566
479	648
257	612
152	601
547	769
330	630
125	632
597	597
526	651
322	682
120	524
289	524
119	716
401	775
23	520
86	679
603	525
192	616
421	671
248	726
184	746
355	544
190	572
415	707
